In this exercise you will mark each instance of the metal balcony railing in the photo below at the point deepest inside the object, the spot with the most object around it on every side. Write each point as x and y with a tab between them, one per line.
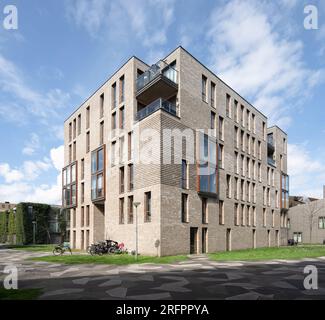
155	106
160	68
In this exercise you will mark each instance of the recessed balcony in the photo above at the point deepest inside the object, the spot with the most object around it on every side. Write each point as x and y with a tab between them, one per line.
160	81
159	104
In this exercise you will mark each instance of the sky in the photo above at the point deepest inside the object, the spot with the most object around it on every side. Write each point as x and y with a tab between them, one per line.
64	50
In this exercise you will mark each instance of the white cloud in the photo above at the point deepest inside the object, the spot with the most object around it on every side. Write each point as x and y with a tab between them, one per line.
20	183
57	157
10	175
147	20
27	100
31	145
307	174
249	53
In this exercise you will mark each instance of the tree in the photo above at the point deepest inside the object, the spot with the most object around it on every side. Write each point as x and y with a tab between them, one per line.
313	208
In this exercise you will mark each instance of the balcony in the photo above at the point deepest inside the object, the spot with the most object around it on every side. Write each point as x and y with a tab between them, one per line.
161	80
159	104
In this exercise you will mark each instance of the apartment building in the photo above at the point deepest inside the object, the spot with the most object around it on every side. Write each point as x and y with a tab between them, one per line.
207	172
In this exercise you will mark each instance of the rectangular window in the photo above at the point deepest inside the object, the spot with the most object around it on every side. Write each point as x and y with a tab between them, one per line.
82	171
273	219
184	208
121	209
236	163
228	190
122	118
101	133
236	137
74	151
248	120
87	117
130	209
204	210
184	174
130	146
69	181
113	154
221	128
242	115
297	237
264	217
236	187
82	217
82	192
236	110
147	207
259	150
228	106
114	97
213	94
114	121
321	223
204	88
243	215
221	213
87	216
70	131
221	156
87	141
254	123
236	214
74	128
264	130
121	150
98	174
101	105
122	177
213	120
254	217
79	124
122	89
207	166
131	177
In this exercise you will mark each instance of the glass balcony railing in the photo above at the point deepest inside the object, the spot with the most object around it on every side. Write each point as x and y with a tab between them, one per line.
155	106
160	68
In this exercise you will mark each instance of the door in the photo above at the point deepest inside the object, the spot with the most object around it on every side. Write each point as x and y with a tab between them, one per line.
204	240
193	240
228	240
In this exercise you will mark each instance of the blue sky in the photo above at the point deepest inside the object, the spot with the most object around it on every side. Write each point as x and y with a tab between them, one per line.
63	50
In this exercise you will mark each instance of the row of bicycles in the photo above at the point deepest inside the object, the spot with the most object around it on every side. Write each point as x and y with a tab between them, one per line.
107	247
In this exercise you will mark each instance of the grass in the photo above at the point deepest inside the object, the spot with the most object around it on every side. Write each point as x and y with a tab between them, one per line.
20	294
109	259
286	253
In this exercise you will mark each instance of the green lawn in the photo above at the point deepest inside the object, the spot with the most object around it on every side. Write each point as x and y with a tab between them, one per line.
20	294
287	253
109	259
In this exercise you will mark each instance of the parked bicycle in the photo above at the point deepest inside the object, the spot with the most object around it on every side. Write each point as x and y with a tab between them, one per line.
106	247
61	249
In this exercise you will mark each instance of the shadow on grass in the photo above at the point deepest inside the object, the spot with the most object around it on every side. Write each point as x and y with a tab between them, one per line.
109	259
20	294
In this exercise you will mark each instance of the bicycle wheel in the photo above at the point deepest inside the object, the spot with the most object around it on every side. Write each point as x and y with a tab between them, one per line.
57	251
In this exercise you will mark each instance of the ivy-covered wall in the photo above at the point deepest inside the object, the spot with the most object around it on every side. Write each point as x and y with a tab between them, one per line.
3	227
17	227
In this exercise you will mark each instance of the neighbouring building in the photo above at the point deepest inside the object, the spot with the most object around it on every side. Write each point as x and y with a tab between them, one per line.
5	206
25	223
298	200
203	165
307	221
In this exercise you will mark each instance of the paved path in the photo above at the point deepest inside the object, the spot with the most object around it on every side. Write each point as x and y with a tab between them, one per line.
198	278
